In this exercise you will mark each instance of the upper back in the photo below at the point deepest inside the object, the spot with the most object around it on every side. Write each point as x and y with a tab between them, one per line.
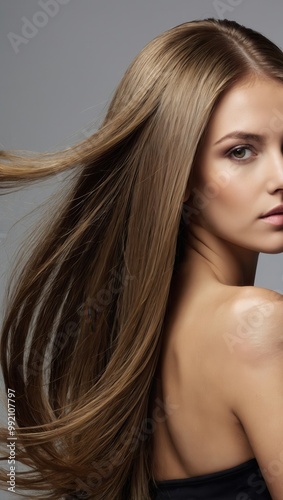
199	432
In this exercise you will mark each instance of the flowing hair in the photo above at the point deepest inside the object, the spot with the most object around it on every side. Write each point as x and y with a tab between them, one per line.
83	323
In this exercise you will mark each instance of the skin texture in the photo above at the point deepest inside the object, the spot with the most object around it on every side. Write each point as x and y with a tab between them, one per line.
227	232
222	358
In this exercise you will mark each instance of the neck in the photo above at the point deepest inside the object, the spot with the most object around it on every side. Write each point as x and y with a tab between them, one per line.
210	256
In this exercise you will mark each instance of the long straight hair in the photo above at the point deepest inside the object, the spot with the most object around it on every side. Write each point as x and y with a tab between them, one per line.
84	317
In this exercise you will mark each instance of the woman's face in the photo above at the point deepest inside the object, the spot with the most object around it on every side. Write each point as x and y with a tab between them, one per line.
239	178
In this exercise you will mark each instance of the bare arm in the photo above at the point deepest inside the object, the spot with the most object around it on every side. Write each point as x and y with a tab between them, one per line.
255	383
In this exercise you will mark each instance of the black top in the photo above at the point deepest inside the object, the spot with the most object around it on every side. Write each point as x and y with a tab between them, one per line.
242	482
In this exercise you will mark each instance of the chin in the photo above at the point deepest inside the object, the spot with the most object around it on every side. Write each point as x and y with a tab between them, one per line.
273	250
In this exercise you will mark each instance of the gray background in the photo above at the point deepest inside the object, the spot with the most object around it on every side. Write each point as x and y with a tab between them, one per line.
58	84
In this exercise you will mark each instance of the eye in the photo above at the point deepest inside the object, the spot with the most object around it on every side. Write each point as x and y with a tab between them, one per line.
239	153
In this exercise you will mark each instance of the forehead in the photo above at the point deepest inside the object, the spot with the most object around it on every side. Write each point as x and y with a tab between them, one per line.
249	106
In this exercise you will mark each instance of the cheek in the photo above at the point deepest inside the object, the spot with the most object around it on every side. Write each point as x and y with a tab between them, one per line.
239	194
225	204
233	198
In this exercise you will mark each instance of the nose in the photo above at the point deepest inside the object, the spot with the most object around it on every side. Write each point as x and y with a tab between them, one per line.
275	172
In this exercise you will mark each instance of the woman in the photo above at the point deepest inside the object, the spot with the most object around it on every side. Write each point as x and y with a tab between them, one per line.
143	361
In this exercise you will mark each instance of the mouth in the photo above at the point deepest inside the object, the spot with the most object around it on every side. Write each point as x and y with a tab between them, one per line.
274	211
275	219
274	216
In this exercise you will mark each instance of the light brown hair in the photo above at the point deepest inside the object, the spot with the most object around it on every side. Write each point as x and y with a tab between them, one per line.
83	323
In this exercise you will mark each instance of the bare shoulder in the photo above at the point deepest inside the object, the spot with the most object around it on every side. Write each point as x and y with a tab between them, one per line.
252	372
253	321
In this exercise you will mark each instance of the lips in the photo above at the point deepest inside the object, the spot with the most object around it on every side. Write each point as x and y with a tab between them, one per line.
274	211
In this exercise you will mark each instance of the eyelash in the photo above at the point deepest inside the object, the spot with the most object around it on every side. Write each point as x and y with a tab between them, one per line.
231	151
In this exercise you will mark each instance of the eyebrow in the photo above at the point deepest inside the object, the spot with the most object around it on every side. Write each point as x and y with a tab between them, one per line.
246	136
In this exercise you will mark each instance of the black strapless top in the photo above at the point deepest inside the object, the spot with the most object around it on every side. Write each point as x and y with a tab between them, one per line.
242	482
